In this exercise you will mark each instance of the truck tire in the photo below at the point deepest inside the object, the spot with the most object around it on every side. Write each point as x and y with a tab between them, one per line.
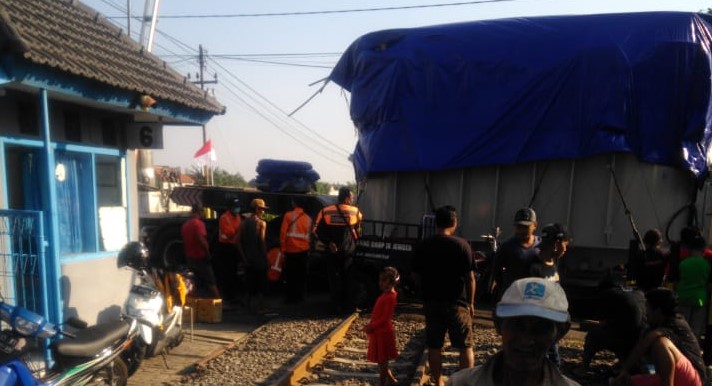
168	251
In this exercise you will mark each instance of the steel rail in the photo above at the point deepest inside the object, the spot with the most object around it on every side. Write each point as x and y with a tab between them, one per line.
303	367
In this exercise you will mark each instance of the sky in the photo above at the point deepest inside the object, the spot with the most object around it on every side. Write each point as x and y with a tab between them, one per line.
267	66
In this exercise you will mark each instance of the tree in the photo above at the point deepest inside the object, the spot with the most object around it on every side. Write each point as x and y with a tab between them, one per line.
323	187
221	177
196	173
326	188
224	178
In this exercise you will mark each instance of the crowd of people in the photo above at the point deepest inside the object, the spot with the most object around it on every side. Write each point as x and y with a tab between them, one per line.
656	329
235	267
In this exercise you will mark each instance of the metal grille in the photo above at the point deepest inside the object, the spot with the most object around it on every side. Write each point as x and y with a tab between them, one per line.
21	240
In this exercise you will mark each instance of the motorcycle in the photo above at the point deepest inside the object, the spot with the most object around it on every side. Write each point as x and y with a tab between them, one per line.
88	356
156	303
484	259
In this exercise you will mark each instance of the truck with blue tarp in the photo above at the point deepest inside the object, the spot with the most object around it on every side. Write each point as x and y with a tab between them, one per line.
598	122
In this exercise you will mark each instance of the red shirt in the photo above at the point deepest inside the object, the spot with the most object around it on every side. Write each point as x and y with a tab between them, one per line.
191	232
382	339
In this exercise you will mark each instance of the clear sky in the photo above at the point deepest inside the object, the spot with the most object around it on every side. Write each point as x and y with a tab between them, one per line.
266	64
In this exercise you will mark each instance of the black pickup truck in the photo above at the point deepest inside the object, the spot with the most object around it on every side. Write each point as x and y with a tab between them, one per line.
381	244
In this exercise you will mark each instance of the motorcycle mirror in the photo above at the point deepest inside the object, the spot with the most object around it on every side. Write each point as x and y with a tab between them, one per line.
77	323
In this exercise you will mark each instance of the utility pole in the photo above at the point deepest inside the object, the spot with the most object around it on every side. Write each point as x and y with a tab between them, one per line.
148	28
201	80
128	18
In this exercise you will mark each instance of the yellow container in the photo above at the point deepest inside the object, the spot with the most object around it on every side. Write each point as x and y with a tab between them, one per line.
206	310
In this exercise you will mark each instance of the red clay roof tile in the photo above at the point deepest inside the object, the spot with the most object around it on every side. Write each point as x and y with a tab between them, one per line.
75	39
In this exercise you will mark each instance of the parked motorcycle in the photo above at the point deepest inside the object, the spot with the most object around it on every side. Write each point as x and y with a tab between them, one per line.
88	356
156	303
484	258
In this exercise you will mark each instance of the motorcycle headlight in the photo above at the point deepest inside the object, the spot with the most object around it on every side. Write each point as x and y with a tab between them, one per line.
145	314
24	326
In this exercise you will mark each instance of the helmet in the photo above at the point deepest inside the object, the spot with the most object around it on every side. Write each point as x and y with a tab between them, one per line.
134	255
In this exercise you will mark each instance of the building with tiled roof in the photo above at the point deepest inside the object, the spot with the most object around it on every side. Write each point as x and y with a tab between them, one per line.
75	40
77	99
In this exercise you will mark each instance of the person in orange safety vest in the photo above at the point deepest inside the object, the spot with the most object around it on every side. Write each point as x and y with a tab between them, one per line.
338	227
295	241
228	256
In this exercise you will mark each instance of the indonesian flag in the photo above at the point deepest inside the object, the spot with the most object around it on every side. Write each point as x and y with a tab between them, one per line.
205	155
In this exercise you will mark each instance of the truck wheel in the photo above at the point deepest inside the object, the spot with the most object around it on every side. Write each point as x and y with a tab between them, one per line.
169	249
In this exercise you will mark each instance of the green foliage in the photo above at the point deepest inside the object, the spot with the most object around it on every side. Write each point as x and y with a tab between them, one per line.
224	178
221	177
196	173
323	187
326	188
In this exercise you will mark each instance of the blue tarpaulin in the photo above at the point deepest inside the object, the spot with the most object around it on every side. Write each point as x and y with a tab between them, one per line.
498	92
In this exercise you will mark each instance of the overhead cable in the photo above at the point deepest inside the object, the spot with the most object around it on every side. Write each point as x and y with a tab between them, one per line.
269	14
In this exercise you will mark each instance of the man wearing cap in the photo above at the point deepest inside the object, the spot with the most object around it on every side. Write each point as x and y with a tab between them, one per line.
515	256
531	316
197	250
252	241
553	246
227	254
444	268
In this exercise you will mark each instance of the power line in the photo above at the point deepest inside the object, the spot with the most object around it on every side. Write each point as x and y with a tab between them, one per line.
240	15
123	9
285	132
292	54
273	62
331	146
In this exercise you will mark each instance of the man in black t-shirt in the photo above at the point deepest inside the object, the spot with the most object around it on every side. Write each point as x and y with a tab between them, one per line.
445	269
515	255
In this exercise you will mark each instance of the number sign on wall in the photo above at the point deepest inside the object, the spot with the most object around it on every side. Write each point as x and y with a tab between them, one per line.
144	135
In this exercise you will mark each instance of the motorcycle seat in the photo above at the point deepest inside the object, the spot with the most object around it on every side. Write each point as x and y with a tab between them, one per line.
91	340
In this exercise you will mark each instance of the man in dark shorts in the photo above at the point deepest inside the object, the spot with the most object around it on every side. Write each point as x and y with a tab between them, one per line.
445	268
197	250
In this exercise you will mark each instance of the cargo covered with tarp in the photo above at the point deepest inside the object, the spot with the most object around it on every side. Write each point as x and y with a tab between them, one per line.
511	91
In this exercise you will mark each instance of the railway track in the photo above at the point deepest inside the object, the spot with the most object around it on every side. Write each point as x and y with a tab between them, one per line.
340	358
308	349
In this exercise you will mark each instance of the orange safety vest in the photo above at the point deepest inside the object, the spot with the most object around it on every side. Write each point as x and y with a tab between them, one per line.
344	215
229	227
295	232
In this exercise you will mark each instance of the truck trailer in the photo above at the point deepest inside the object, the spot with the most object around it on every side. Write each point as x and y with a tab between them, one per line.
599	122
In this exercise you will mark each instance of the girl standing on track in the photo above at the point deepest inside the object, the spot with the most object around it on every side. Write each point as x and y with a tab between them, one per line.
381	334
